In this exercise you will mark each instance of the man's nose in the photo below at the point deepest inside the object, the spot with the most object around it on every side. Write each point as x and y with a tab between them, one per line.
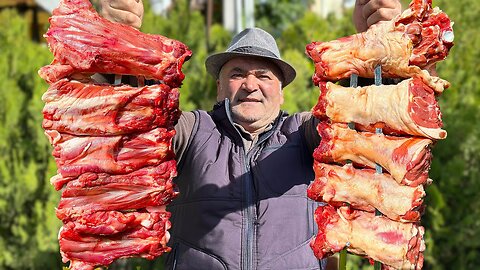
251	83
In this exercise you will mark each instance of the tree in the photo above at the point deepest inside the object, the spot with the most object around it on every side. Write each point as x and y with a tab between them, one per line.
27	201
453	230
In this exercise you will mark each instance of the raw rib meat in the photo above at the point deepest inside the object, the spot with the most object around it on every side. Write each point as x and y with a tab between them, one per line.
366	190
406	159
148	176
82	41
113	222
101	237
112	144
416	39
395	244
381	134
113	154
108	110
406	108
115	196
91	192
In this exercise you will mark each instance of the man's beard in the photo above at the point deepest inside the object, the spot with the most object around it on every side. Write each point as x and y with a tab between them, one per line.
239	116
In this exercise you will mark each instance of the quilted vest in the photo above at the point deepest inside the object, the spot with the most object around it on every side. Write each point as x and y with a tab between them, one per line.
243	210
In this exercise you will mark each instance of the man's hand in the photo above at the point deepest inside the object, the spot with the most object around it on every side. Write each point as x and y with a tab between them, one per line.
128	12
369	12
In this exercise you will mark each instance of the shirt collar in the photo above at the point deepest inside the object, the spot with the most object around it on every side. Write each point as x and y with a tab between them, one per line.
252	136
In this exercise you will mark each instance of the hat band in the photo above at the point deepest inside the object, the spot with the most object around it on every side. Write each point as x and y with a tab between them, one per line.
255	50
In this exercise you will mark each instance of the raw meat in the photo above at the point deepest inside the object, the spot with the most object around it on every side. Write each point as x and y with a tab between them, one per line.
153	175
395	244
406	159
112	144
120	154
82	41
91	192
101	237
407	108
106	109
415	40
366	190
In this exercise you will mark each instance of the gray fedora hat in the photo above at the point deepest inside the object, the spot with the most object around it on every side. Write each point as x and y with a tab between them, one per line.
251	42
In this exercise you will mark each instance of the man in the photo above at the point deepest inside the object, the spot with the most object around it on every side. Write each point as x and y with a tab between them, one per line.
244	166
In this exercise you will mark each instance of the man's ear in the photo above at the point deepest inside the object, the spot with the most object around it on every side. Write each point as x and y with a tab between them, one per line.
218	90
281	94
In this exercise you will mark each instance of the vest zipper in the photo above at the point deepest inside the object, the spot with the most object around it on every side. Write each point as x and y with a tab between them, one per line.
251	209
250	217
248	232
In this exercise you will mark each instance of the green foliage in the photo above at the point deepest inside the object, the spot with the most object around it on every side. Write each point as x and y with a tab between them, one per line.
27	200
275	15
453	229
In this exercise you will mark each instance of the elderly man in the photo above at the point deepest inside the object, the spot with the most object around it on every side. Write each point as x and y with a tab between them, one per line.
245	165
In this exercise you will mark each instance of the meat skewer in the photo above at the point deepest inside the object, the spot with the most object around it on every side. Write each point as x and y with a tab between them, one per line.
405	47
378	169
111	143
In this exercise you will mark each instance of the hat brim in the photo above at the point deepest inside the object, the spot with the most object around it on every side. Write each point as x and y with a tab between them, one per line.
215	62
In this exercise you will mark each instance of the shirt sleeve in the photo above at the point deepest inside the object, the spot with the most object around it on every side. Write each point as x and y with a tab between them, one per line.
309	128
183	129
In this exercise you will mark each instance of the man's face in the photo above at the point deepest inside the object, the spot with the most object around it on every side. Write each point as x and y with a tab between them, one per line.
254	88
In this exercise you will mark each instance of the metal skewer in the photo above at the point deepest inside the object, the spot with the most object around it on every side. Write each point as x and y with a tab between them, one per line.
378	168
141	81
378	81
342	262
118	79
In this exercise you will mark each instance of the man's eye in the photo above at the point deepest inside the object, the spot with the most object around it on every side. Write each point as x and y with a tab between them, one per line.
264	77
236	76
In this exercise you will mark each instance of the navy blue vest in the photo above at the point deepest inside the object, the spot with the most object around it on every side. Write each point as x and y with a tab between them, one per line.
239	209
